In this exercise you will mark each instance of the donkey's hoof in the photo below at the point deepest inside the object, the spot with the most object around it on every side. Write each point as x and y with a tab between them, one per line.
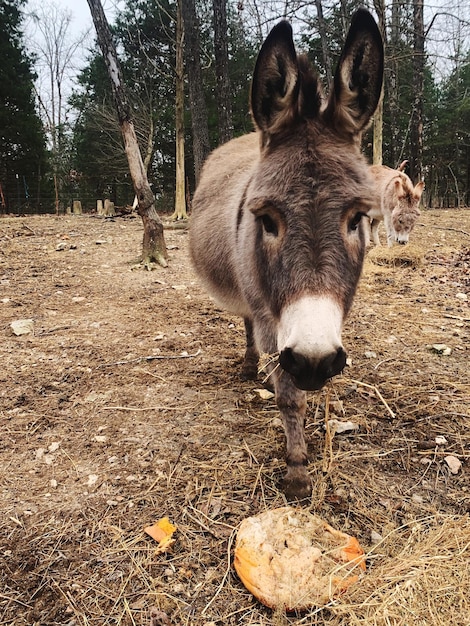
249	372
297	484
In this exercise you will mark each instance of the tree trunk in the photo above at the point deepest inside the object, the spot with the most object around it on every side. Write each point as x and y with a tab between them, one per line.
416	162
180	196
325	47
201	144
377	153
223	92
395	152
153	247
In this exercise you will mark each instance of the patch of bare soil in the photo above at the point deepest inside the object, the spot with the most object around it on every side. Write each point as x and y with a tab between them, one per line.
124	405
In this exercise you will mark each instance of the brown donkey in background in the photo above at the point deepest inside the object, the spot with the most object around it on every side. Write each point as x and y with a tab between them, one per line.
277	233
398	206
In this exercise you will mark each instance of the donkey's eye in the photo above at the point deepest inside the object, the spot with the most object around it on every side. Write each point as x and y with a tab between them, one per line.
269	225
355	221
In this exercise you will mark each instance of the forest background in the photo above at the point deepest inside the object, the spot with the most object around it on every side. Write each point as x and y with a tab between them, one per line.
59	134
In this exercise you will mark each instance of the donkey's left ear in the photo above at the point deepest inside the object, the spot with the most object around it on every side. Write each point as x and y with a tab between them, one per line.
275	85
358	78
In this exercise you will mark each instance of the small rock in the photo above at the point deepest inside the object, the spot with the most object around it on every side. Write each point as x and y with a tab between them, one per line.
22	327
62	245
369	354
441	348
53	447
462	296
337	426
453	463
440	440
265	394
375	537
92	480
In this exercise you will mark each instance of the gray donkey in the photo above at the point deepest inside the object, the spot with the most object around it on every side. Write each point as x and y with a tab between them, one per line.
277	233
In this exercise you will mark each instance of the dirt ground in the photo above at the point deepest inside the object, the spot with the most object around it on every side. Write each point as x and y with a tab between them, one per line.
123	405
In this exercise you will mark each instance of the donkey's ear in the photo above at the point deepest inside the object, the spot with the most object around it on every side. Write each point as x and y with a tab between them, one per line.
398	187
275	86
418	190
358	78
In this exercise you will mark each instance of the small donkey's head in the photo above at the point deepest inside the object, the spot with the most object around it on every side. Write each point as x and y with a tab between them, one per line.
308	196
406	206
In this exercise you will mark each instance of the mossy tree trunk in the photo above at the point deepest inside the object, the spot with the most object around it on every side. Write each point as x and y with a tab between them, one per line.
153	247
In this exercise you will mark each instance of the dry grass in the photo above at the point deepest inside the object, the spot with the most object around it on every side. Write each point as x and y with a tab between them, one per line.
142	438
410	255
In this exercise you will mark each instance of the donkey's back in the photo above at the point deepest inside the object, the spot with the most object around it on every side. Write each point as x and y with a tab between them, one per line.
277	234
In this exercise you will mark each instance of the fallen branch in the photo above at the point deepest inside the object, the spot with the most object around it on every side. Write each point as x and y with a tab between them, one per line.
457	317
147	408
153	357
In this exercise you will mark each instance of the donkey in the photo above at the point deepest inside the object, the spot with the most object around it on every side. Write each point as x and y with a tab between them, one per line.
277	233
398	206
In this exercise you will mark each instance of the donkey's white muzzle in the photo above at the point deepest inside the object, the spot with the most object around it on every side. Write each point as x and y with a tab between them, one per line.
309	341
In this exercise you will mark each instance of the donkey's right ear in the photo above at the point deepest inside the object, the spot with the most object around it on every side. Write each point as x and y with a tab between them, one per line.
275	86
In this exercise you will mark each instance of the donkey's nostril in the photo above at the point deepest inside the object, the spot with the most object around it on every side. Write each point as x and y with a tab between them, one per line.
293	362
333	364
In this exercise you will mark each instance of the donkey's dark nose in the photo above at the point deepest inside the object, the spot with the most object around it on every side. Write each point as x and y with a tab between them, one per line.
312	374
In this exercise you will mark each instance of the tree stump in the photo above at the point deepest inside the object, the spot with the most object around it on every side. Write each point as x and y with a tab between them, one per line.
108	208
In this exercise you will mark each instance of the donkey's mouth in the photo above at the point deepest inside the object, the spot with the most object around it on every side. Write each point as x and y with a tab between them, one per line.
311	374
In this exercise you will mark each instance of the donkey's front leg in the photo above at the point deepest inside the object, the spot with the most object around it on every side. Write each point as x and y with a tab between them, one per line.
250	362
292	403
391	235
374	228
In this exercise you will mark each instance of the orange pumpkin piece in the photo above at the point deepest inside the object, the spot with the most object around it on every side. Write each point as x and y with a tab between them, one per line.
162	531
291	559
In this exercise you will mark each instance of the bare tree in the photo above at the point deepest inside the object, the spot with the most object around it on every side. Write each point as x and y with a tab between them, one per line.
180	196
325	44
416	162
377	155
393	75
154	248
201	144
223	95
55	50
